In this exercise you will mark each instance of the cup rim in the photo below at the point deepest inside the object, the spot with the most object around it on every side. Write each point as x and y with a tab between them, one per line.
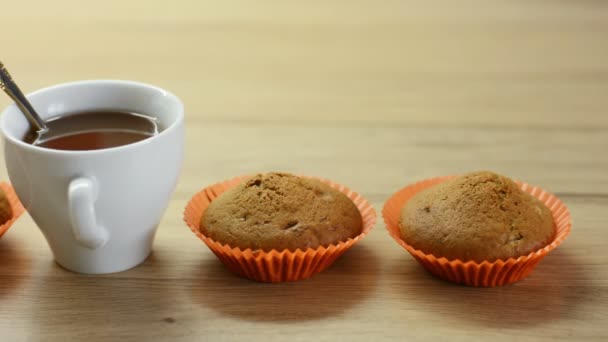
83	83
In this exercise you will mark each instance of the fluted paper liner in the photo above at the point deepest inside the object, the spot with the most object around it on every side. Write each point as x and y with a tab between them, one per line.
16	205
274	266
472	273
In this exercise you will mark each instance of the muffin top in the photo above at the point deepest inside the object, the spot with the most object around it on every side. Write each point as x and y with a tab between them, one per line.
281	211
6	212
478	216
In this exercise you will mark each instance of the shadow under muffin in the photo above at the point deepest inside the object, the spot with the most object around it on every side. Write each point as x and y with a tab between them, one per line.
348	282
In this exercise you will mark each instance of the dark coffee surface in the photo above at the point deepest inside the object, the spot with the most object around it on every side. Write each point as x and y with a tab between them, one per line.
96	130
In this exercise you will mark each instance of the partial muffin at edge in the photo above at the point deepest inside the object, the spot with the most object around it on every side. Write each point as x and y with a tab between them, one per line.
6	211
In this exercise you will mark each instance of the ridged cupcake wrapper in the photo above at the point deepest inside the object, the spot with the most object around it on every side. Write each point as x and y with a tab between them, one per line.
274	266
486	273
16	205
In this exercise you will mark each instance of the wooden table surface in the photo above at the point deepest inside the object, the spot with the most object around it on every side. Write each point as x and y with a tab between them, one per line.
371	94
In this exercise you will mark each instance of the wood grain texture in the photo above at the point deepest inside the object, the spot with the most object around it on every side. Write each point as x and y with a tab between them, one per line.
374	95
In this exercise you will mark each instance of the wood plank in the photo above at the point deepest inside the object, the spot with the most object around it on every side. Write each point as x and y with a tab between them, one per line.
419	61
376	290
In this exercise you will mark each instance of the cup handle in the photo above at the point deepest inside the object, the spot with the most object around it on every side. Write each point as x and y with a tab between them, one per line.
81	197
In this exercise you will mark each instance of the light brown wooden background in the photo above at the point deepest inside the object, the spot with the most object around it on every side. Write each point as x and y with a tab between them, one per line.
372	94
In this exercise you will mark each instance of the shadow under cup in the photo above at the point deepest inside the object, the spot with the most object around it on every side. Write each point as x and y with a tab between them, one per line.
97	209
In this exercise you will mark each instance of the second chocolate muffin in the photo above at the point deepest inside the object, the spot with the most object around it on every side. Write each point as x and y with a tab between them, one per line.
281	211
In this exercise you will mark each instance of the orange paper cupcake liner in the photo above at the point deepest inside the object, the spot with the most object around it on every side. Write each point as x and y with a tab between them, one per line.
274	266
486	273
16	205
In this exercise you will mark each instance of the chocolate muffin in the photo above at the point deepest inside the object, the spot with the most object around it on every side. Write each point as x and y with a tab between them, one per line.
6	212
479	216
281	211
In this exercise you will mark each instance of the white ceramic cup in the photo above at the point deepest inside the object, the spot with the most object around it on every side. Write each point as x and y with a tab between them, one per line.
98	209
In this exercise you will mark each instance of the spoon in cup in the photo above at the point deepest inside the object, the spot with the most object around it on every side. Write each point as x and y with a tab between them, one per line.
39	127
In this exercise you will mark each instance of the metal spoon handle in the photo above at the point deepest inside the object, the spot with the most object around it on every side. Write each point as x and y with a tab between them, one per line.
12	90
